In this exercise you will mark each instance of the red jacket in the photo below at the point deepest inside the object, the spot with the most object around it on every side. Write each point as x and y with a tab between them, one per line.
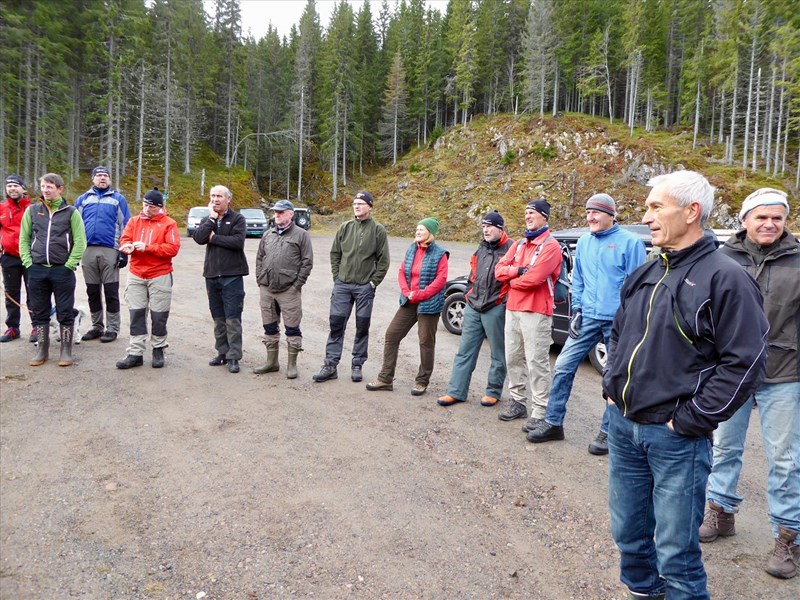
162	242
532	291
10	219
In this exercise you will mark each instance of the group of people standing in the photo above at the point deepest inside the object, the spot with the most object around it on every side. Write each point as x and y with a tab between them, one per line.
696	337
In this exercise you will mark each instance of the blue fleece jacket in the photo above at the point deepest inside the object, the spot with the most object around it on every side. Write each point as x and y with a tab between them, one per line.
602	262
105	214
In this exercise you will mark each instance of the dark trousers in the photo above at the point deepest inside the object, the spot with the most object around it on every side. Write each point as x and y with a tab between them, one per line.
57	281
226	302
14	274
404	319
343	297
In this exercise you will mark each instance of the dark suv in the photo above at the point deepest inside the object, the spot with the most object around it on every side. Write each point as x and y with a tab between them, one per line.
454	302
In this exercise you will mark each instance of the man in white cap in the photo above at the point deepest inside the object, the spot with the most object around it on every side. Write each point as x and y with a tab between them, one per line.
772	256
604	258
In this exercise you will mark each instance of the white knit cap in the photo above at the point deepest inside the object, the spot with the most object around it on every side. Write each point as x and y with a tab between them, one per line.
763	197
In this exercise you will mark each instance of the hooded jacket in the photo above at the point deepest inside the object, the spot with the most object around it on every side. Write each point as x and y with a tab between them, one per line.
11	212
484	291
162	243
688	343
105	214
777	271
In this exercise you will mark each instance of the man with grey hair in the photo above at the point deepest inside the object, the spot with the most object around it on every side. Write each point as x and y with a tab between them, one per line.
766	250
223	233
687	349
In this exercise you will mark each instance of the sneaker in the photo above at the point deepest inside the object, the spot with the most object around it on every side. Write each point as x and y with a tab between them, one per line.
599	447
515	410
545	432
447	401
130	361
92	334
355	373
531	424
218	360
489	401
716	523
233	365
418	389
10	334
33	338
108	336
380	386
785	556
325	373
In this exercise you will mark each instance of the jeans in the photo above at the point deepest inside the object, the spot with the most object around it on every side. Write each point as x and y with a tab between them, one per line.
656	496
475	328
343	296
570	358
779	411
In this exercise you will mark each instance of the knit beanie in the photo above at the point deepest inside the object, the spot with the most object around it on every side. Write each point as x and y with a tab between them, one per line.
431	224
541	206
16	179
154	198
763	197
603	203
365	196
99	170
495	219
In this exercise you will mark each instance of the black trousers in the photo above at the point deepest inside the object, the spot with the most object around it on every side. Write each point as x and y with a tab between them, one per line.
57	282
14	274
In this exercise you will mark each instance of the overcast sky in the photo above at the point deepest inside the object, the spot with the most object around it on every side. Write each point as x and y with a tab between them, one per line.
257	14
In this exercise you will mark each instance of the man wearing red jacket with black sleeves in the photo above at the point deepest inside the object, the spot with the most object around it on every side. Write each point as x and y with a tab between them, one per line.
531	267
14	274
152	241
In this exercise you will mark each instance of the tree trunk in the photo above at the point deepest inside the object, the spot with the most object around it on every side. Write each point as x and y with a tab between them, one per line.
769	125
780	119
732	135
168	114
300	145
140	153
721	137
344	146
336	151
555	93
749	101
755	124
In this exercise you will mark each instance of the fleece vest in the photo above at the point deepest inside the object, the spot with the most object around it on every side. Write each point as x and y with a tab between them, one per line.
427	273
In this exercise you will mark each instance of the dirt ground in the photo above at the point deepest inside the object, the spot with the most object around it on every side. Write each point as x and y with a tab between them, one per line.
190	482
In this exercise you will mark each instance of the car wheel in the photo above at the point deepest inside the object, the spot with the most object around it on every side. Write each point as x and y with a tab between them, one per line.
453	313
302	222
598	357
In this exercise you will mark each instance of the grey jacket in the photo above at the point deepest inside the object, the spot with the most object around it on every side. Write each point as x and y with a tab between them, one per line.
284	259
777	271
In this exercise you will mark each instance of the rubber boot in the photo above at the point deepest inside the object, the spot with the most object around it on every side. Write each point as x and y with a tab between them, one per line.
65	360
291	365
43	348
272	359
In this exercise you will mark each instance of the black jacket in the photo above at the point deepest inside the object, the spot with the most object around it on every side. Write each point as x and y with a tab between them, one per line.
225	251
484	292
688	343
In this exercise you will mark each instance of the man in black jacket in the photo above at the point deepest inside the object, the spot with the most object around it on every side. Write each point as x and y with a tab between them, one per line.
687	348
223	234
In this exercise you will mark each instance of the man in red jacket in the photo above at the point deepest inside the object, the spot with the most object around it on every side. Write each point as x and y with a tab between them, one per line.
152	241
531	267
14	273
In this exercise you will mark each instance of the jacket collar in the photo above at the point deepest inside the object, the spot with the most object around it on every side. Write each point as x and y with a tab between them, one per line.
687	256
613	229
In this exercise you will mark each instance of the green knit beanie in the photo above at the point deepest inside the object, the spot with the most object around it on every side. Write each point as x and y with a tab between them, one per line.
431	224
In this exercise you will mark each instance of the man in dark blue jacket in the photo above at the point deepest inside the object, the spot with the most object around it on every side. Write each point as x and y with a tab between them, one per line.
687	348
105	214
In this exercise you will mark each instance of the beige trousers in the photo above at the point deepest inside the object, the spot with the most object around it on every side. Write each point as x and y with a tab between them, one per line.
528	338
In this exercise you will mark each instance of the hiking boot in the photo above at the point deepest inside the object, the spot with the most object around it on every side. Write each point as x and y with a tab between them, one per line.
33	338
130	361
108	336
545	432
67	332
716	523
325	373
11	333
447	401
233	365
158	358
785	556
356	374
218	361
489	401
43	346
531	424
418	389
599	447
378	385
93	334
515	410
272	359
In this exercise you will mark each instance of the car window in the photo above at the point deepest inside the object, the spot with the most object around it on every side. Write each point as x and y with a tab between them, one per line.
253	213
200	212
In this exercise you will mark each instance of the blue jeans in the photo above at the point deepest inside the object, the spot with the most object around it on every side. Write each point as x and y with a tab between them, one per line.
474	329
656	496
779	410
569	359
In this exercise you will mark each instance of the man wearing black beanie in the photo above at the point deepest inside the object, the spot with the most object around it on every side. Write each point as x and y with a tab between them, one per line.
14	274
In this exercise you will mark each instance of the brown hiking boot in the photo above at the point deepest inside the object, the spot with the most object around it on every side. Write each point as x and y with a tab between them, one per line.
785	556
716	523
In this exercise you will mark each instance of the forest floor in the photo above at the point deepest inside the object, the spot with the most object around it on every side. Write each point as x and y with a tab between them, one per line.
191	482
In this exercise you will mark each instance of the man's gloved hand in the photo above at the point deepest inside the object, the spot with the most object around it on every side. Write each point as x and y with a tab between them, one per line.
575	325
122	260
521	271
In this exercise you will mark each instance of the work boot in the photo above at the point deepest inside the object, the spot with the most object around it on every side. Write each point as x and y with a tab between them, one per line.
515	410
599	447
545	432
355	373
158	358
716	523
65	360
785	556
380	386
272	359
531	424
325	373
131	361
291	364
43	348
233	365
108	336
93	334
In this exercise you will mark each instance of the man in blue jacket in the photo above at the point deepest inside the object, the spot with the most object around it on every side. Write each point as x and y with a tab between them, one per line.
105	214
603	260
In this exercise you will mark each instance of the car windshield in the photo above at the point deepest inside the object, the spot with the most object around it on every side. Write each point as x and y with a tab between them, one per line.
199	212
253	213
